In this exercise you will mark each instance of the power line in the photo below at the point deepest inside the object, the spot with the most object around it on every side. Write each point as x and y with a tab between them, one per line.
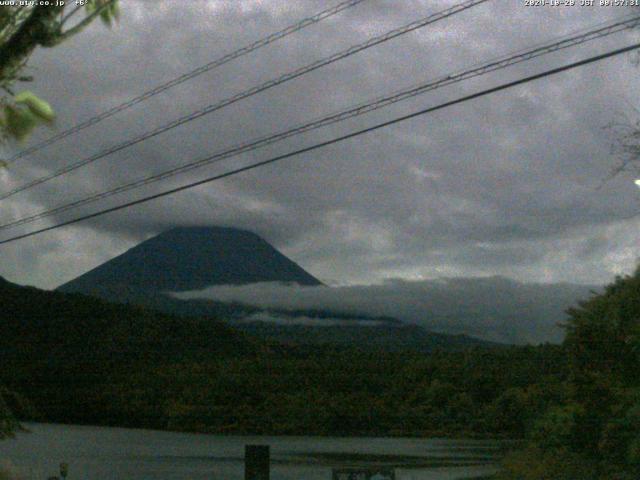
318	17
252	91
491	66
330	142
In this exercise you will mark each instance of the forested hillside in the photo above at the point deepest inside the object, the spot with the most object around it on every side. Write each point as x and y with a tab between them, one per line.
81	360
594	434
61	350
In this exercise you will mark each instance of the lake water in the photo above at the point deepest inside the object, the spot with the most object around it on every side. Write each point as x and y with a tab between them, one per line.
97	453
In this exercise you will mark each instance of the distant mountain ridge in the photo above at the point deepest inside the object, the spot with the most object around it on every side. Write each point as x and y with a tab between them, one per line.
194	258
385	337
191	258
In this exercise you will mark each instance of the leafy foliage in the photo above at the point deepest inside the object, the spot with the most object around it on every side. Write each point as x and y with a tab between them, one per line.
23	28
535	464
108	15
8	423
598	425
26	112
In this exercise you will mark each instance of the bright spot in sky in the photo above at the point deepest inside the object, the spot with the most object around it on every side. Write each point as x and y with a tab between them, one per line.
638	182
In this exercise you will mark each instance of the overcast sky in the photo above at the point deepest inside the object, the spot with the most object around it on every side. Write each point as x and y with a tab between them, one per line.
502	185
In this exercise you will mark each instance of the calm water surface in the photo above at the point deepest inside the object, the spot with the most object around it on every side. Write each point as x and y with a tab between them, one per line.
99	453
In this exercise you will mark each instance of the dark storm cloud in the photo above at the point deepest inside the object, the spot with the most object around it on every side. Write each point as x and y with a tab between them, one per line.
501	185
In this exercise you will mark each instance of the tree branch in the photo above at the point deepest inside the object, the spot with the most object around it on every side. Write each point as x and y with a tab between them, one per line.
70	14
62	36
38	29
13	22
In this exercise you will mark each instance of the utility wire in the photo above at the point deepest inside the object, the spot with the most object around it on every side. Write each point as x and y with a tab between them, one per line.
252	91
491	66
378	126
318	17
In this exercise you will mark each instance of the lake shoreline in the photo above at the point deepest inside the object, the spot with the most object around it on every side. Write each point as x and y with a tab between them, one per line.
439	435
137	454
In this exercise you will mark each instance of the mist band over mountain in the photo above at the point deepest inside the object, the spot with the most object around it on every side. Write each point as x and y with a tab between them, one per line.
236	275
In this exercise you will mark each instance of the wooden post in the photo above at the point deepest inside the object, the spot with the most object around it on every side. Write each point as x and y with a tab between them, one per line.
256	462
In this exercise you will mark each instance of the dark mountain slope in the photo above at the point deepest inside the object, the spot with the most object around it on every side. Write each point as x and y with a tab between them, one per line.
185	259
55	347
388	337
191	258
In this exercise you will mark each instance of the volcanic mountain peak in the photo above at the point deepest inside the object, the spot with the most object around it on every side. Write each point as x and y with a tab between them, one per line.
192	258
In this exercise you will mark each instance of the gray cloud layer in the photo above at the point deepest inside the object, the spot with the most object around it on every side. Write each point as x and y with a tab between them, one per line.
492	308
502	185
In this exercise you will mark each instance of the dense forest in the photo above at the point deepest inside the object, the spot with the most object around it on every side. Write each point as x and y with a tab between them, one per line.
82	360
70	358
594	433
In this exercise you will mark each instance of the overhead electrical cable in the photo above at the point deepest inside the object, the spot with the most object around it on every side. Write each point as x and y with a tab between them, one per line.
363	108
318	17
317	146
252	91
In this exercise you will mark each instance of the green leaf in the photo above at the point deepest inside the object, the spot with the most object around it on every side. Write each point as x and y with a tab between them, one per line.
20	122
115	10
90	6
109	14
105	16
36	105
